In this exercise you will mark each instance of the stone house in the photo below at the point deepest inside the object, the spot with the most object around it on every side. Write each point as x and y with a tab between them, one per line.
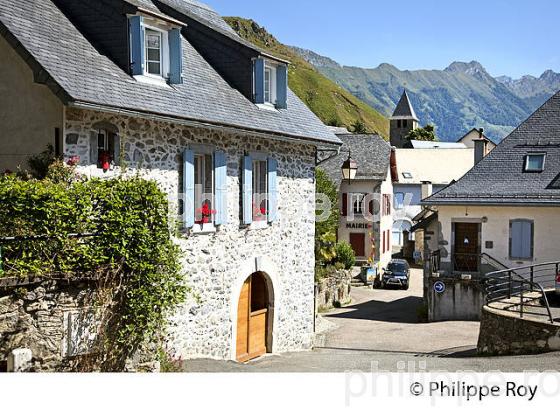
505	210
167	89
366	202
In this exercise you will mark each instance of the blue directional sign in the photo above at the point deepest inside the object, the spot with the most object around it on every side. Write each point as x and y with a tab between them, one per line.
439	287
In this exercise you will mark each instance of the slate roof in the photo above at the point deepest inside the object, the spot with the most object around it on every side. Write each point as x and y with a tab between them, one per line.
404	108
81	75
371	152
500	178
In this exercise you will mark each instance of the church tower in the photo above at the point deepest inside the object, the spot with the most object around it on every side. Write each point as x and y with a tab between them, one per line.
403	121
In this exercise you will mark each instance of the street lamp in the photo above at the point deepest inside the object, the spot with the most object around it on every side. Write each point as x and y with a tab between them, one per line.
349	168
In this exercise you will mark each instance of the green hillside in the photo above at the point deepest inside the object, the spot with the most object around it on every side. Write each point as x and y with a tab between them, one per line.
330	102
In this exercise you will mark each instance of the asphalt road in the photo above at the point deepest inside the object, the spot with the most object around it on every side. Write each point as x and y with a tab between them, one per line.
387	320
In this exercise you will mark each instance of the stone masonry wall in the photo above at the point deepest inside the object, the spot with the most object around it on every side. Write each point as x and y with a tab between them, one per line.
40	316
216	264
505	333
334	290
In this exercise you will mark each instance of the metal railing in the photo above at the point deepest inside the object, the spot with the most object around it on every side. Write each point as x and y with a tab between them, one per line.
523	289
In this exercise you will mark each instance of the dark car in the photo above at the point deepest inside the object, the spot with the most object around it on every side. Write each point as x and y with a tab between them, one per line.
397	274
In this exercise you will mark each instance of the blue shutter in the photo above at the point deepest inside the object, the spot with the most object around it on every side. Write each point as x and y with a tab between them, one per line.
247	190
272	190
188	186
516	234
282	87
259	81
175	56
136	45
117	151
526	239
220	173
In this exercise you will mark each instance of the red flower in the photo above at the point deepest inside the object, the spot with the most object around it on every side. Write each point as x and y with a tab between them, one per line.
205	213
73	161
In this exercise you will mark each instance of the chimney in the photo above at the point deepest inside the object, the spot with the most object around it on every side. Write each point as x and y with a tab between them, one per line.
480	147
427	189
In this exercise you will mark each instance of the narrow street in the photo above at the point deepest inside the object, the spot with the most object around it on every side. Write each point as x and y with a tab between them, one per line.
386	320
380	331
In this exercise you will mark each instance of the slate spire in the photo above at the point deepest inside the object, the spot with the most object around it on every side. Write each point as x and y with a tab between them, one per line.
404	109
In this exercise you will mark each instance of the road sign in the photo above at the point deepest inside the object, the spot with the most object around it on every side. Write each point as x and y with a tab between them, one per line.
439	287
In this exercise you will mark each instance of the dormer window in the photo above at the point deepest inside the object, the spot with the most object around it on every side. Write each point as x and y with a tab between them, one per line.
270	84
156	54
535	162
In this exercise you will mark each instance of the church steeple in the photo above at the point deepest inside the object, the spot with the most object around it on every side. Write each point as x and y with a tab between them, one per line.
403	121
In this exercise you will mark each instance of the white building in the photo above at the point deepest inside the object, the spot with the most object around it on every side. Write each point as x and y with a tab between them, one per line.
366	202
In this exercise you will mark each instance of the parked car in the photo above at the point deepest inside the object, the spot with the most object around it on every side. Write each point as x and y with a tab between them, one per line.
396	274
557	287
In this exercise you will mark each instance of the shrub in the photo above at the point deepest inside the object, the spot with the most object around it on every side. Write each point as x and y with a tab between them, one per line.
132	253
345	255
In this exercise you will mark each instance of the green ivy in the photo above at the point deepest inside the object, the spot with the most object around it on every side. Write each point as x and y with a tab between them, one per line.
133	249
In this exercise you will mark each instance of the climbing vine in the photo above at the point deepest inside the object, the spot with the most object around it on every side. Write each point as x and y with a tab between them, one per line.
124	243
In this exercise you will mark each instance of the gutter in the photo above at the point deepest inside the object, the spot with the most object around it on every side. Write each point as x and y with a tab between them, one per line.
201	124
493	203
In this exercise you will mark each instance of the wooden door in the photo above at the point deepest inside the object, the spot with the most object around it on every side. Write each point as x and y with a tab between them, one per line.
466	247
358	243
252	319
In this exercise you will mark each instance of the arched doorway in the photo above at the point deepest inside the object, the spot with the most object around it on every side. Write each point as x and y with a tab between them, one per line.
255	313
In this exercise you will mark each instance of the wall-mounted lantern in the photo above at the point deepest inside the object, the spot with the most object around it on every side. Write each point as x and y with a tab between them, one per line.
349	169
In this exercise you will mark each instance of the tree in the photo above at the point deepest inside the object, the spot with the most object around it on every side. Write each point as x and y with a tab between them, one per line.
359	127
427	133
325	229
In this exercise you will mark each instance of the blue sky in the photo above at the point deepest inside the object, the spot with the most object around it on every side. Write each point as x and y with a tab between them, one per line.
514	38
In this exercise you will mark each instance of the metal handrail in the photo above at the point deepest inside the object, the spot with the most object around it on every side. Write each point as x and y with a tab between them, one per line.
506	284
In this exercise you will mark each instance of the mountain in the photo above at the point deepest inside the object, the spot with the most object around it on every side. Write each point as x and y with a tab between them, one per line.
534	90
330	102
455	100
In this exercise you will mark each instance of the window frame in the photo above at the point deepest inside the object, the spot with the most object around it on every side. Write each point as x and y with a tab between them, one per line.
358	198
510	247
534	154
164	53
107	135
272	96
205	151
260	157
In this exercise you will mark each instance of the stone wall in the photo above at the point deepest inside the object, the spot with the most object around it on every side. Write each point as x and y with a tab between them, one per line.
52	318
217	263
505	333
333	290
461	300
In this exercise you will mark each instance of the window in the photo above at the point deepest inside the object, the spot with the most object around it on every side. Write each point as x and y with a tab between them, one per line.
405	123
399	200
358	203
386	204
534	162
521	239
398	123
104	146
260	191
268	86
407	175
204	189
154	52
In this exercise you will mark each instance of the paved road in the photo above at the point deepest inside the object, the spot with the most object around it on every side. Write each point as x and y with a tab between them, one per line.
387	320
380	331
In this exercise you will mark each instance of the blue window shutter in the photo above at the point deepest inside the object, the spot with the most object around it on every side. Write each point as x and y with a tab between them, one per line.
136	45
220	174
282	87
526	239
247	190
272	190
188	185
259	81
516	235
117	151
175	56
